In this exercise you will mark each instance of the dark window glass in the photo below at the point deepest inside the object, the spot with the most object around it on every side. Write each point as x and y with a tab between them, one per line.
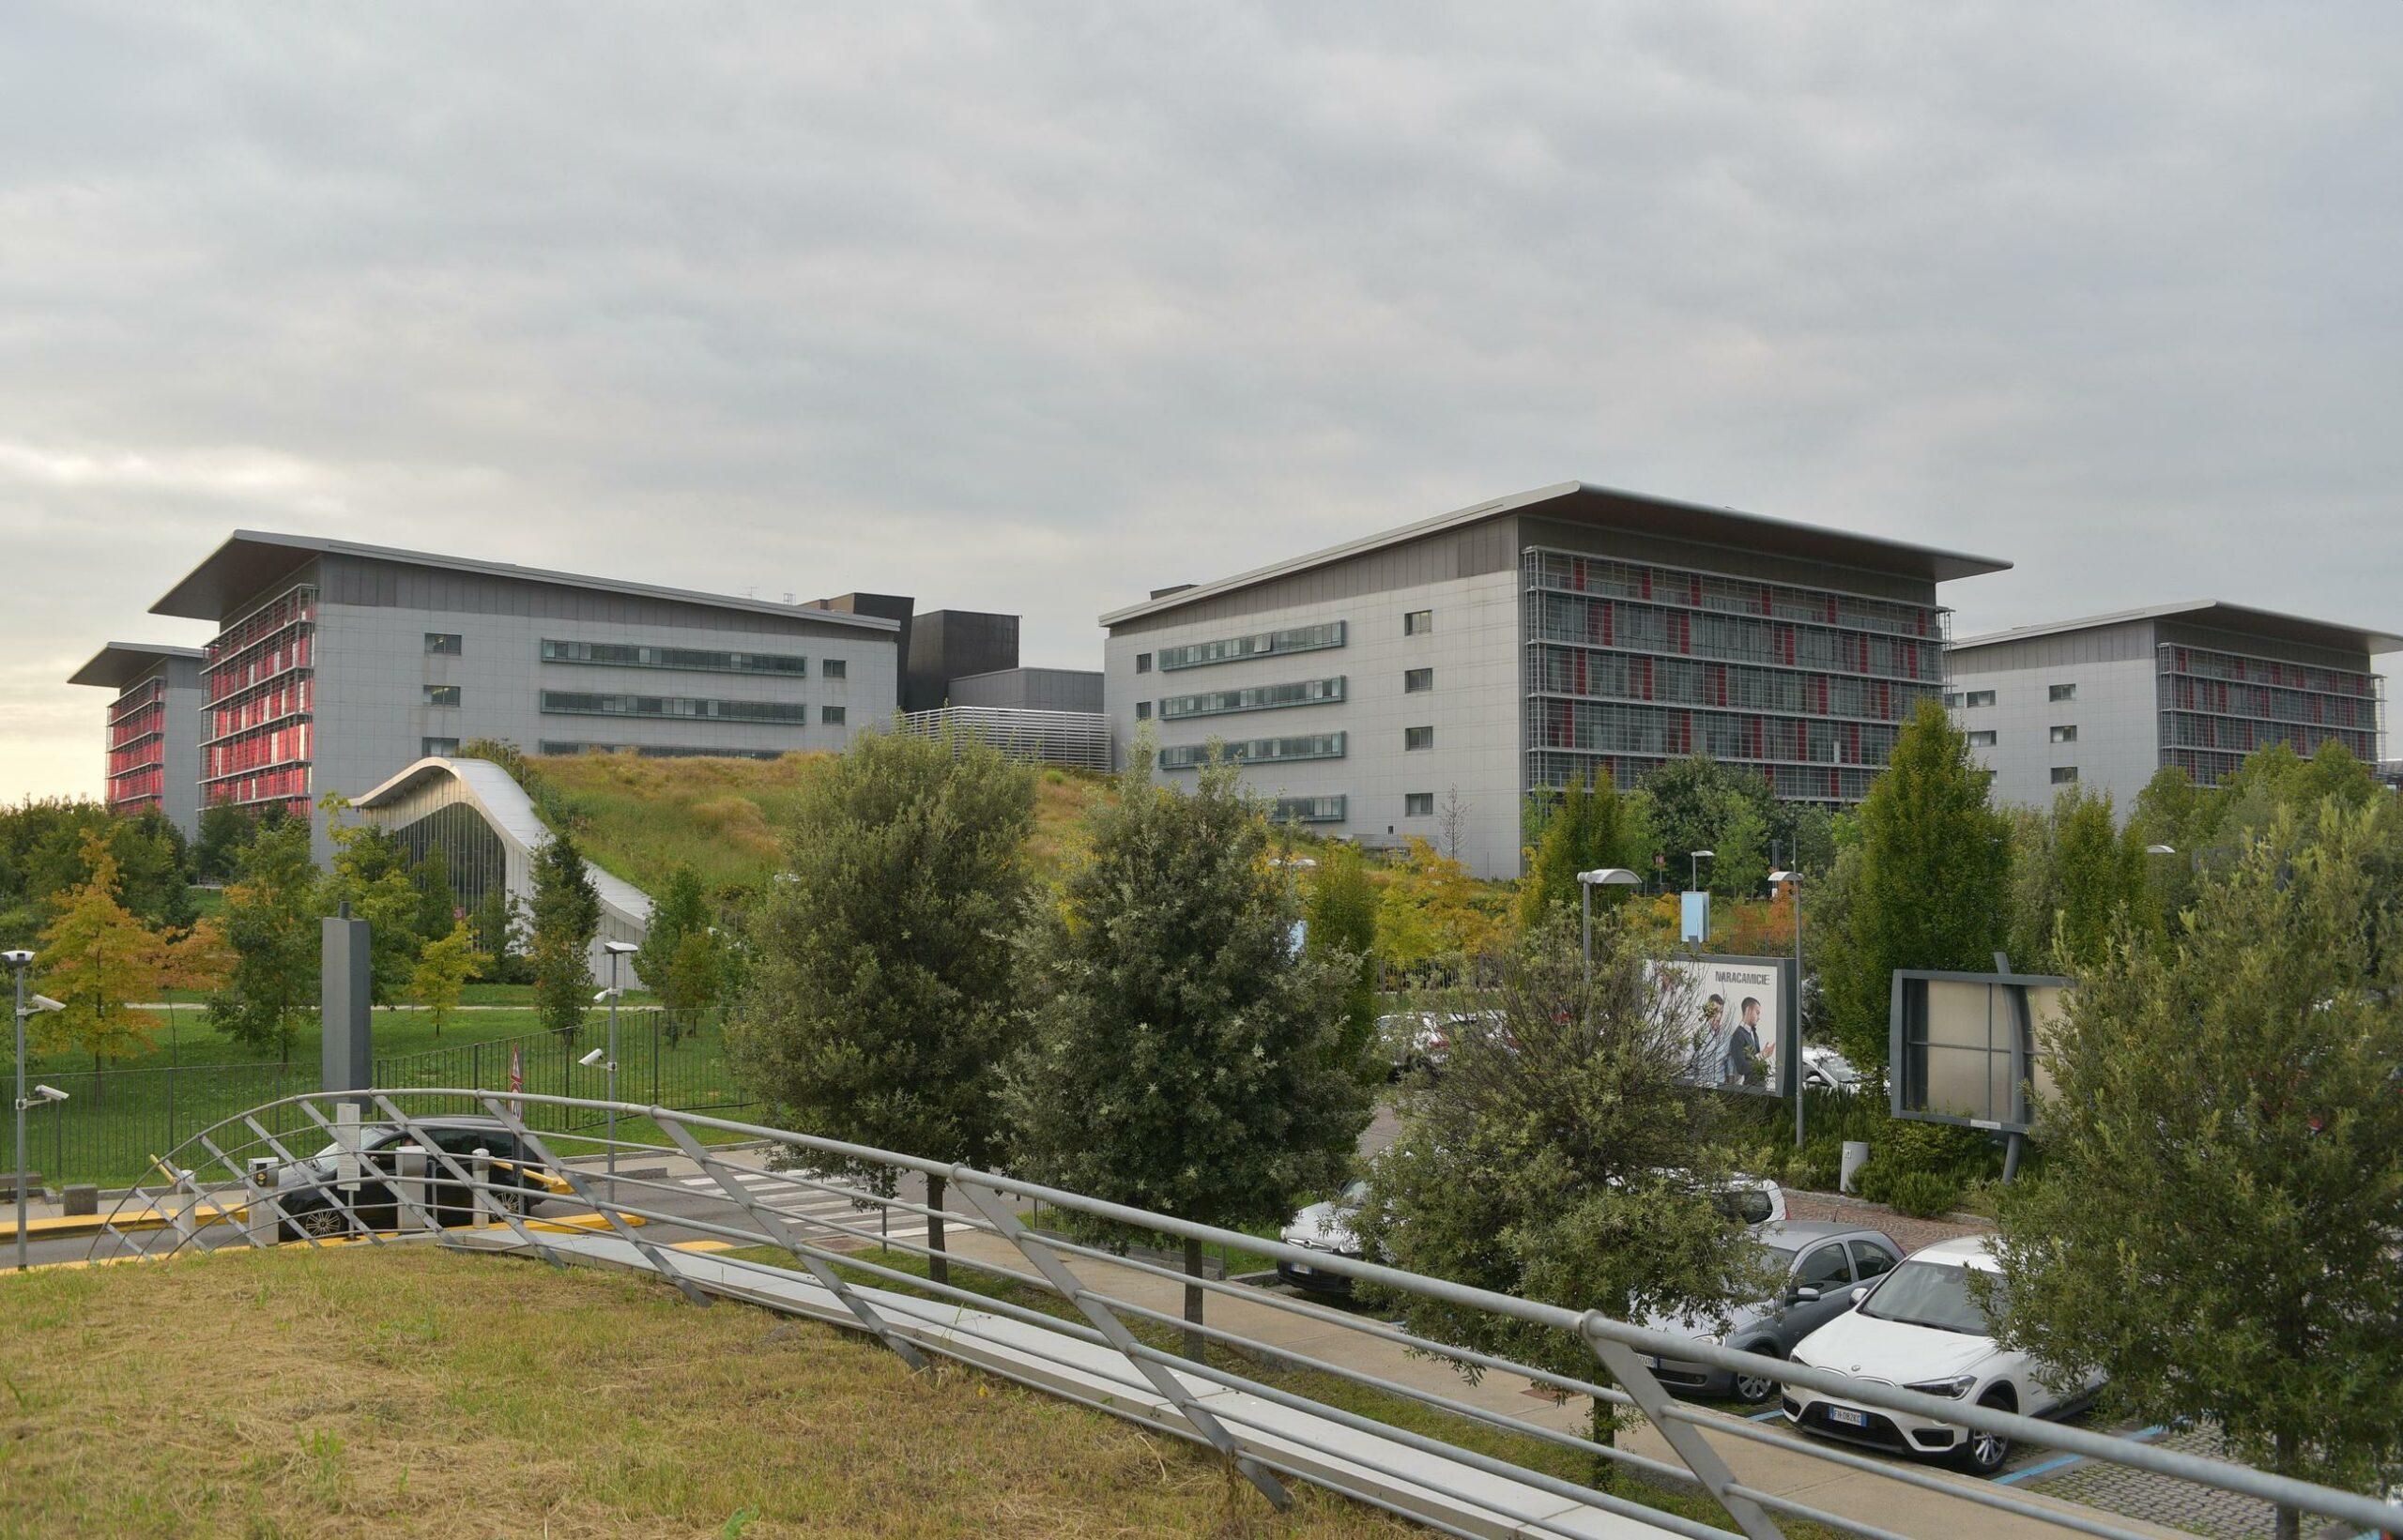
1416	679
1418	804
2061	691
835	668
832	716
1870	1261
1418	622
445	644
438	747
1823	1269
1142	663
442	694
1418	738
1142	711
2064	774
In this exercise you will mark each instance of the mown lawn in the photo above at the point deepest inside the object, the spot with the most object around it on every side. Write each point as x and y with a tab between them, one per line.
411	1391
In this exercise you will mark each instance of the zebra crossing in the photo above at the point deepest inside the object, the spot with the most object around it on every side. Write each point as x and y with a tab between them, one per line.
816	1209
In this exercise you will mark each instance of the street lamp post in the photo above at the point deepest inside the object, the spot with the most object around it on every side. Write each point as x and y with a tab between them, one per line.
18	961
1616	876
1694	862
616	951
1796	880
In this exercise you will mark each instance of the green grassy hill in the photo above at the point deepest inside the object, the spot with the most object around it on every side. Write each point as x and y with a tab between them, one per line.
638	817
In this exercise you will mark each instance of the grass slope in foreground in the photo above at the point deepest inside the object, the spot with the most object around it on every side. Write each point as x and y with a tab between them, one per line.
408	1390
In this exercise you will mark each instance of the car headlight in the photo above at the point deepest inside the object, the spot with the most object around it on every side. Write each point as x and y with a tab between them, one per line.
1952	1390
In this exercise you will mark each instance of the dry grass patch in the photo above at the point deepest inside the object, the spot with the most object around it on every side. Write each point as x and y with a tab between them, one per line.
412	1391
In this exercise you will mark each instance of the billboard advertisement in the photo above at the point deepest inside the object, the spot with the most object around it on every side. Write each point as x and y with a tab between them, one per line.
1740	1014
1964	1046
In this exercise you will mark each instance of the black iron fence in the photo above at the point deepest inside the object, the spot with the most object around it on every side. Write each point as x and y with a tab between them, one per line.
115	1122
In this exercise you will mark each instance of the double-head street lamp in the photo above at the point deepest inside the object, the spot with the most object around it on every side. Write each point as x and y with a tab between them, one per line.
1614	877
18	961
615	950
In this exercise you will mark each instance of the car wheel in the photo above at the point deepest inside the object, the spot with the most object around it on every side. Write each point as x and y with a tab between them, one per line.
1752	1389
514	1199
322	1223
1986	1453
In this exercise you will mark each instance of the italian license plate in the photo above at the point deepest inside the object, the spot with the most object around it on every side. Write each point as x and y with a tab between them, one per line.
1648	1360
1303	1269
1849	1417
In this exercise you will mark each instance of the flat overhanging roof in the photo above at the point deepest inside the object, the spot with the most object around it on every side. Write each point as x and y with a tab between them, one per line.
120	664
1636	512
2216	614
251	560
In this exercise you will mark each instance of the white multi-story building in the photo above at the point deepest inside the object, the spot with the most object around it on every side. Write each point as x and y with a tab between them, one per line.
1422	680
2105	701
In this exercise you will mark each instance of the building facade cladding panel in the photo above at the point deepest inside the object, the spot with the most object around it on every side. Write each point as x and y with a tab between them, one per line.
152	753
373	669
1031	689
1474	649
2224	694
258	692
1630	662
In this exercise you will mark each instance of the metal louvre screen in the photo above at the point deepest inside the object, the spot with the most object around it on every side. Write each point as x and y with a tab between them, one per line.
1074	740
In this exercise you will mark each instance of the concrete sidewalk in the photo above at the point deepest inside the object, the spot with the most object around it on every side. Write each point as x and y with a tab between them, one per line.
1852	1494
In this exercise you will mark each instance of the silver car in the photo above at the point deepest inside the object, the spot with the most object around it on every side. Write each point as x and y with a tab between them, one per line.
1823	1262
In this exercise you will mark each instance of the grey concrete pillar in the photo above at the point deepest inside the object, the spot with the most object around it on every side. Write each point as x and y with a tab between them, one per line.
346	1053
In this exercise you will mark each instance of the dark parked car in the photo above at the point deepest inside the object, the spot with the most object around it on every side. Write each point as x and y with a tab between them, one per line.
1823	1262
312	1207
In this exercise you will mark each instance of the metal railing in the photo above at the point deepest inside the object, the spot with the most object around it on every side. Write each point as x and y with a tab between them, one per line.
240	1182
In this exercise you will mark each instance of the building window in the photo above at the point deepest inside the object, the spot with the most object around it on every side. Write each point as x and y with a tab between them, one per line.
833	668
1417	738
1258	697
582	703
2061	691
436	748
1982	739
1142	663
628	655
1260	644
1417	622
1978	698
1416	679
1418	804
2066	734
1142	711
1253	751
442	694
1306	810
2064	774
832	716
443	644
1952	700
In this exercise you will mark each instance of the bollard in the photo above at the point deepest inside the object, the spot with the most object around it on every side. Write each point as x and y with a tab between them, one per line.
1856	1155
183	1204
409	1183
347	1164
480	1167
266	1220
81	1197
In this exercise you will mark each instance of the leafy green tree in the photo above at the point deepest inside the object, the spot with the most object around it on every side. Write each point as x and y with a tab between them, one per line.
99	960
2074	875
1184	1055
1435	919
1934	887
1701	804
154	869
1742	868
271	922
1587	825
225	828
1559	1157
443	968
499	924
2216	1221
877	1007
1340	922
676	910
438	902
370	873
567	916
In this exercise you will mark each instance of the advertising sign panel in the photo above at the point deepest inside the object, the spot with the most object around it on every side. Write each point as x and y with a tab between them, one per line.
1964	1046
1742	1020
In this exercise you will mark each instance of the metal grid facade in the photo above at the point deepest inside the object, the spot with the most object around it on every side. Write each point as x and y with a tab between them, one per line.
2217	707
258	686
1629	664
137	751
1074	740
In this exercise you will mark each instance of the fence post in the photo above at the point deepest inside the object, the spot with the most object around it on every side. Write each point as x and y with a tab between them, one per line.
654	1059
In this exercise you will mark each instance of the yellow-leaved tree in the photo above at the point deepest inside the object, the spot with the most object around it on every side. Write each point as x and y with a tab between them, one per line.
99	961
444	966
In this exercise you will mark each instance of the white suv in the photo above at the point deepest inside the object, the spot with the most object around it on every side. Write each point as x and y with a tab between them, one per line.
1919	1328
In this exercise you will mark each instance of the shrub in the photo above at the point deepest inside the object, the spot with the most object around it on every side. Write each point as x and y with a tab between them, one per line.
1923	1195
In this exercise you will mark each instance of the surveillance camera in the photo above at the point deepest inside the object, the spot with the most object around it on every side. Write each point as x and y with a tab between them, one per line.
591	1059
17	957
603	998
43	1002
50	1093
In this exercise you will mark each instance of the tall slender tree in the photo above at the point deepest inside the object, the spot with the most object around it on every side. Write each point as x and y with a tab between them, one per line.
1587	826
99	960
1934	879
877	1007
271	923
1340	922
567	916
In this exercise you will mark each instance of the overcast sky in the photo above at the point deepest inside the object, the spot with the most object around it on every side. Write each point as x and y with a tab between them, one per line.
1035	307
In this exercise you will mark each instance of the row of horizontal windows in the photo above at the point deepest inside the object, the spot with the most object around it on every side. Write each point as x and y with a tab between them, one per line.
582	702
2184	729
1258	697
1309	809
1254	751
709	660
1832	784
2250	670
1263	643
1958	699
1565	572
1651	730
2270	703
1630	627
1986	738
1594	675
656	751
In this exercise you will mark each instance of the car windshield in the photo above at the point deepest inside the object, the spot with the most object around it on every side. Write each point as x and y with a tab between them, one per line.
1933	1294
1747	1205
